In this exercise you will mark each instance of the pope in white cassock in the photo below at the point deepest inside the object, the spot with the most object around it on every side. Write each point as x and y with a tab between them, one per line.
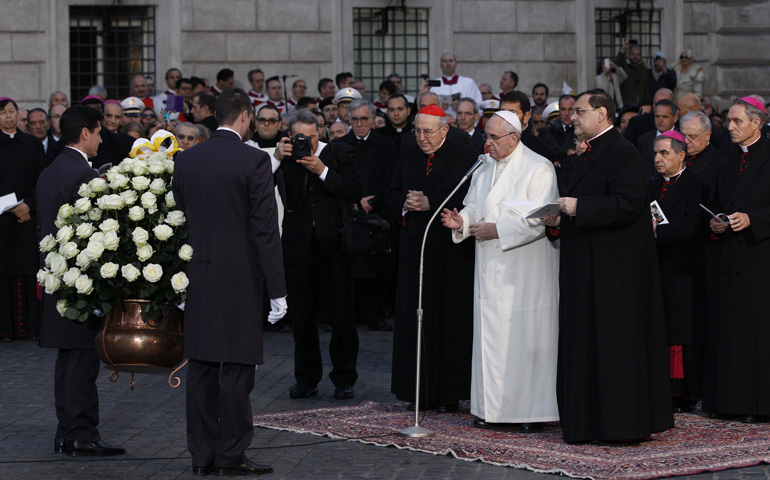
516	293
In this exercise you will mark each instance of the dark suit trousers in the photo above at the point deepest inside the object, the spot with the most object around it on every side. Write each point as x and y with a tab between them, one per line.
219	421
304	283
75	394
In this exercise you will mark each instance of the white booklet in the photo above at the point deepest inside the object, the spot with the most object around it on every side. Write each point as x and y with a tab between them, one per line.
657	213
722	217
9	202
529	210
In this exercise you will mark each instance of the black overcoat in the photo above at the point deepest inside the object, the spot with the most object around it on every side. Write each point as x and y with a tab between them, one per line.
613	378
448	280
225	188
737	376
57	185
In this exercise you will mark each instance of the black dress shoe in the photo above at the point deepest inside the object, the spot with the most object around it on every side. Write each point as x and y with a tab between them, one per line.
246	468
343	392
480	423
97	448
302	391
451	407
203	471
531	427
58	445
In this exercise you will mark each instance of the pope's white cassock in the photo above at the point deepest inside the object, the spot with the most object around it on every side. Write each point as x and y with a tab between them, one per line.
516	296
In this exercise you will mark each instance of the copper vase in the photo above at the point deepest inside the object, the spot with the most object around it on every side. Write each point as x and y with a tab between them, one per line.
129	337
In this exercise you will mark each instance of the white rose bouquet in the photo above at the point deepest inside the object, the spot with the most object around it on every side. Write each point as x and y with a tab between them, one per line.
122	239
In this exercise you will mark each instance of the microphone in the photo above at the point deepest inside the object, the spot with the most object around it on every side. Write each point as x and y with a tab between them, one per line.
479	162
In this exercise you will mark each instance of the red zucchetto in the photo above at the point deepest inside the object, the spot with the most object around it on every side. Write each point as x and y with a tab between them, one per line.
431	110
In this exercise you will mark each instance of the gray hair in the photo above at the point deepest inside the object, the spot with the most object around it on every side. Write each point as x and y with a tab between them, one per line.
203	131
356	104
97	90
422	95
471	101
752	112
705	123
302	116
188	125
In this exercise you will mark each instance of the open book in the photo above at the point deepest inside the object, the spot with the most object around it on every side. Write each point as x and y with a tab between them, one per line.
722	217
9	202
530	210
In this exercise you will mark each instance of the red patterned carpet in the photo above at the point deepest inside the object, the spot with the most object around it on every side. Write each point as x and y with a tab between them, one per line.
696	445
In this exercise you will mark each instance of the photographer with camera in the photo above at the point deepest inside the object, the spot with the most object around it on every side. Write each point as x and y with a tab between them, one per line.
609	78
316	181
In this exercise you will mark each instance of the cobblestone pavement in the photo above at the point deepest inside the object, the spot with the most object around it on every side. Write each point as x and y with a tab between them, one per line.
149	423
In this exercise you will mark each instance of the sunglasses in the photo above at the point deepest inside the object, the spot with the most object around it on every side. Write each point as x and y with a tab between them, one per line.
186	137
682	57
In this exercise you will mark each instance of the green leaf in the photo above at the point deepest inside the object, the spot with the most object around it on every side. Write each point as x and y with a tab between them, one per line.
83	317
81	304
71	313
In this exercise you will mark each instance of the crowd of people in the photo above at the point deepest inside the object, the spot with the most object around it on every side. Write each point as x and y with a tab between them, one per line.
627	297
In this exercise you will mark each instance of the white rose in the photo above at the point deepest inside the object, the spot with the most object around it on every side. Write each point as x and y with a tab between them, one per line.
152	272
84	285
136	213
85	190
130	272
175	218
41	276
97	237
82	205
52	283
139	168
129	197
98	184
157	168
169	165
156	157
158	186
64	234
110	202
111	241
170	202
163	232
148	200
118	181
69	250
65	211
48	243
144	252
83	261
48	259
58	264
70	276
179	282
109	270
95	214
62	306
112	173
140	236
126	164
109	225
185	252
152	210
85	230
140	183
94	250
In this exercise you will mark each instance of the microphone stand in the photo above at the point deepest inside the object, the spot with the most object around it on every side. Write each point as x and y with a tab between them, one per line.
416	431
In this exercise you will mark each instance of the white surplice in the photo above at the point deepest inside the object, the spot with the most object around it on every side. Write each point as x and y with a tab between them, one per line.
516	293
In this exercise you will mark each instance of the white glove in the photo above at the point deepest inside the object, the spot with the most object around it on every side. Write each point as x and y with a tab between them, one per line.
277	310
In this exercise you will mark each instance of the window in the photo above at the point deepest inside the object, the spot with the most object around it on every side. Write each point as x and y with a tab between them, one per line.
613	25
388	40
108	45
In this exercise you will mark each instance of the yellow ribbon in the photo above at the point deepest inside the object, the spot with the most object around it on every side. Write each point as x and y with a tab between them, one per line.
143	148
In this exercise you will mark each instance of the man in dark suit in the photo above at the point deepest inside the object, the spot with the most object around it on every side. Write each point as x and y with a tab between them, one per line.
314	190
54	146
517	102
77	366
376	159
682	262
399	110
203	105
233	228
666	115
701	154
560	135
645	122
467	119
736	382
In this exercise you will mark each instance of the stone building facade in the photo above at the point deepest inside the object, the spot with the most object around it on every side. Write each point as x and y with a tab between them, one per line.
550	41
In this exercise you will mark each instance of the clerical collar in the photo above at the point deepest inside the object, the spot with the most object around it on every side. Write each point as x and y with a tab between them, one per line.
85	157
12	134
364	138
451	80
231	130
674	177
603	132
746	148
473	130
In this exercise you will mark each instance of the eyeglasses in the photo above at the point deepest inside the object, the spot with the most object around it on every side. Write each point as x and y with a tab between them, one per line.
693	137
495	138
578	111
360	119
425	133
268	121
149	116
682	57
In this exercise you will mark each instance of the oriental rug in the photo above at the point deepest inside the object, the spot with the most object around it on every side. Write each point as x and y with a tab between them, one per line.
698	444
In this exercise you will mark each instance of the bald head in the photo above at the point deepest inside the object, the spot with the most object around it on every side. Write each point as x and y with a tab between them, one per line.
687	103
663	94
428	98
